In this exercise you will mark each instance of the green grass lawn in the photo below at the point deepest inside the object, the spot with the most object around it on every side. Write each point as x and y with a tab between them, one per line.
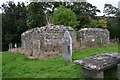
15	65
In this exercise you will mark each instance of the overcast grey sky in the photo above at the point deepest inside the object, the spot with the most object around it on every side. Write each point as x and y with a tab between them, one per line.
98	3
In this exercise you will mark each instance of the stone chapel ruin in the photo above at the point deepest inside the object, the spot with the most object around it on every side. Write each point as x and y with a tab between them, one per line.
45	39
93	37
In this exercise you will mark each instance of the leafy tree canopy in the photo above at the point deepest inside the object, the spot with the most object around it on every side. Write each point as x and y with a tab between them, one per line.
13	23
64	16
35	15
98	24
109	9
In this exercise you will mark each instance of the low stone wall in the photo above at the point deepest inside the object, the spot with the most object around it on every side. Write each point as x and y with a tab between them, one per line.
93	37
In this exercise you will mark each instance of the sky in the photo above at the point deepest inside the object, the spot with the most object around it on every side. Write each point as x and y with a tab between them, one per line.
98	3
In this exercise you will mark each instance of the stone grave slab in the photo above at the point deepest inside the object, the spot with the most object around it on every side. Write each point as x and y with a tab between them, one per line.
94	66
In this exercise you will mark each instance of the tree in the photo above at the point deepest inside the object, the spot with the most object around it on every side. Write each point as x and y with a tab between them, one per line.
35	15
52	6
112	16
64	16
118	23
85	13
98	24
109	9
13	23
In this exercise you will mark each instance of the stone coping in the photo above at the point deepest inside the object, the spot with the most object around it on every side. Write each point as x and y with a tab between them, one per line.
99	62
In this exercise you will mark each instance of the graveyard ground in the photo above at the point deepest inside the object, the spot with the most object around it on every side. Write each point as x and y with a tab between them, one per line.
15	65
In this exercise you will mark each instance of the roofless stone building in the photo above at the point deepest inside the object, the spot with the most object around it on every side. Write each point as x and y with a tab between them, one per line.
45	39
38	41
93	37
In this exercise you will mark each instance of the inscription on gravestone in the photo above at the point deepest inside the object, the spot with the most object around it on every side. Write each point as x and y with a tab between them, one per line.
67	47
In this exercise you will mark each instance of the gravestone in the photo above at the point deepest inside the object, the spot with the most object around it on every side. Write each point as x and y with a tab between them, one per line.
67	47
10	46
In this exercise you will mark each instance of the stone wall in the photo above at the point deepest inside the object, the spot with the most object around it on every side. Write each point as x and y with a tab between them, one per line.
45	39
93	37
38	41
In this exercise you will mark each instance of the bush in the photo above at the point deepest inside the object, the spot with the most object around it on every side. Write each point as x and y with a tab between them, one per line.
64	16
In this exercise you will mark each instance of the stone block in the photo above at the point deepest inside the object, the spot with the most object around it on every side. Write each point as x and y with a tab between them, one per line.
93	74
118	71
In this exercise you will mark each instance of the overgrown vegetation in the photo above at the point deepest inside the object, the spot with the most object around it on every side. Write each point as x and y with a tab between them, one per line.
15	65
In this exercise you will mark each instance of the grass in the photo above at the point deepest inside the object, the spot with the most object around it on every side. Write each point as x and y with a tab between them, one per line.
15	65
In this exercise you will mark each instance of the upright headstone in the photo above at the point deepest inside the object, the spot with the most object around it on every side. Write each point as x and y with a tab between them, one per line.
10	46
67	47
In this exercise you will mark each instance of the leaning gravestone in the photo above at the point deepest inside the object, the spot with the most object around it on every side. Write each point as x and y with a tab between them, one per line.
67	47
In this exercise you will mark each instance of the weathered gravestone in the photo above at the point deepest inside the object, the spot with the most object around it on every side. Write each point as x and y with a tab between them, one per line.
94	66
10	46
67	47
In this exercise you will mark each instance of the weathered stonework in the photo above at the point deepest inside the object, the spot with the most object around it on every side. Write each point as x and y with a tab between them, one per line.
93	37
94	66
45	39
49	38
67	47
